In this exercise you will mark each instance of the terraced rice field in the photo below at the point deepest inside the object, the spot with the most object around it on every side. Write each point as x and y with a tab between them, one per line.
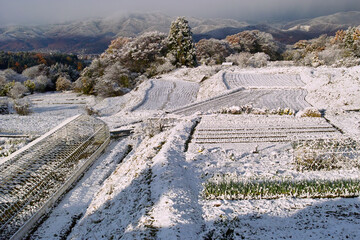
219	129
236	80
259	98
168	94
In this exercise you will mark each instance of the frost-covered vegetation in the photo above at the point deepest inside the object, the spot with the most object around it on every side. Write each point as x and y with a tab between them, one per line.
244	125
129	61
343	49
10	145
154	187
26	73
248	109
326	154
245	49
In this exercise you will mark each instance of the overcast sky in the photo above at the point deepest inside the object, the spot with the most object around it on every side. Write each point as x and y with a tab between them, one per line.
52	11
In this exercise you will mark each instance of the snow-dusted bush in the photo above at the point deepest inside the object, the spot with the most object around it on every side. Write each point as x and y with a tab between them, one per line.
180	43
17	91
4	105
124	63
91	111
255	41
166	67
30	84
86	82
330	56
35	71
151	127
146	50
5	89
349	39
240	59
42	83
245	59
62	70
116	44
63	84
248	109
11	76
259	60
11	145
309	112
116	81
3	83
52	73
312	59
22	106
212	51
341	50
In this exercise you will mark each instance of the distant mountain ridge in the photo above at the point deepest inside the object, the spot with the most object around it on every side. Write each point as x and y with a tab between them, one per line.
94	36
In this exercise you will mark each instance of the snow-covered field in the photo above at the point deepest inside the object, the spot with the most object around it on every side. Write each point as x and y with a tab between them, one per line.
235	80
259	98
48	111
226	129
168	94
156	191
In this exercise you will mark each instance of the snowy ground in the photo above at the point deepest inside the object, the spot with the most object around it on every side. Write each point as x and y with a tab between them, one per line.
168	94
73	205
156	191
48	111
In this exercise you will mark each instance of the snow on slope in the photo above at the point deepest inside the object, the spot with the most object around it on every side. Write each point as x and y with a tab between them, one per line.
156	193
75	202
146	195
168	94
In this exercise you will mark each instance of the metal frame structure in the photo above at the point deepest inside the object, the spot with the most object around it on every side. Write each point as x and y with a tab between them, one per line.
339	153
32	179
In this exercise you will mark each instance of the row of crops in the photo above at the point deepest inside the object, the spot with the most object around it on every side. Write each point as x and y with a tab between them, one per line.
318	149
31	177
270	189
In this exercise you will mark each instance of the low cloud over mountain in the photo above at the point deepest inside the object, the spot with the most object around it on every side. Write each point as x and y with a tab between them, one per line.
93	36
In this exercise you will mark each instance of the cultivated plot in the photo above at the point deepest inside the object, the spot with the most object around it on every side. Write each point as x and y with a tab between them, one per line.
259	98
236	80
168	94
218	129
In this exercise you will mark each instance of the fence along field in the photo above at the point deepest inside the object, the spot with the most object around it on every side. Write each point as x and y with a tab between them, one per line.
168	94
36	176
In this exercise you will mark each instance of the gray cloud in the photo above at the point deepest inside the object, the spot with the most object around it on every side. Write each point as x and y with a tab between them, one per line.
52	11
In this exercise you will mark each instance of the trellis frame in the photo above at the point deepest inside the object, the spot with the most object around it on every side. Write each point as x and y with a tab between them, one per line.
35	177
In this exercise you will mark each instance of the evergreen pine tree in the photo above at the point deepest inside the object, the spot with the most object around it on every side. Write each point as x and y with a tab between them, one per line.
180	43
